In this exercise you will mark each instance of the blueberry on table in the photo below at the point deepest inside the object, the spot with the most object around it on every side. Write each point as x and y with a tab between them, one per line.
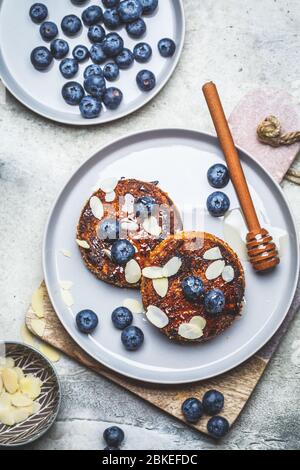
146	80
97	53
144	207
166	47
218	426
68	68
125	59
72	93
111	18
112	45
142	52
136	29
92	69
90	107
213	402
92	15
111	3
59	48
48	30
193	288
112	98
96	33
132	338
218	176
95	85
71	25
218	204
109	230
214	302
111	71
122	251
38	12
87	321
121	318
192	410
149	6
130	10
80	53
113	436
41	58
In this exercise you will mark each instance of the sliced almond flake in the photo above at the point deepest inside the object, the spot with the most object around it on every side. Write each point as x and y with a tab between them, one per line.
67	297
128	206
38	327
7	417
198	321
31	386
153	272
190	331
213	254
106	252
10	380
83	244
214	270
228	274
133	272
172	267
5	401
96	207
19	373
108	185
66	253
152	227
49	352
129	225
20	415
27	336
134	306
37	303
161	286
110	197
157	317
20	400
66	285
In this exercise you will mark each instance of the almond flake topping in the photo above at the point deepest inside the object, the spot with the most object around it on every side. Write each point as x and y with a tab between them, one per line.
228	274
96	207
172	267
133	272
108	185
190	331
134	305
83	244
153	272
161	286
110	197
157	317
215	270
213	254
152	227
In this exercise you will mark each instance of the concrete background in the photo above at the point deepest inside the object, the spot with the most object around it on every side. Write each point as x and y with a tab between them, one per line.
240	44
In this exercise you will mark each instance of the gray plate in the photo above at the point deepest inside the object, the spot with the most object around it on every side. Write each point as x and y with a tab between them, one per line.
179	159
41	92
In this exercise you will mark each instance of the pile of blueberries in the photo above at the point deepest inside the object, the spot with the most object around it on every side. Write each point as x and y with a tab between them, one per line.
107	49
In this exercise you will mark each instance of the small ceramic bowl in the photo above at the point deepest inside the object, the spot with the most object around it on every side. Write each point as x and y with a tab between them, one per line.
32	362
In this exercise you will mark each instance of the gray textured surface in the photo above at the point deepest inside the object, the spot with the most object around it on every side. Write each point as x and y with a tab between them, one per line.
238	44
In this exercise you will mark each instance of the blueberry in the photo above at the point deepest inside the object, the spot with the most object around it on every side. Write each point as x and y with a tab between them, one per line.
41	58
59	48
130	10
81	53
112	98
68	68
92	15
111	18
111	3
72	93
113	436
96	33
146	80
109	230
144	207
121	318
214	302
149	6
132	338
71	25
93	69
113	45
166	47
213	402
125	59
192	410
218	176
218	426
142	52
122	251
48	30
95	85
97	53
218	204
111	71
136	29
90	107
193	288
38	12
87	321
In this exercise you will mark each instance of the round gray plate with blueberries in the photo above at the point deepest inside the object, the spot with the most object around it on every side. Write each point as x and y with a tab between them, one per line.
179	159
41	91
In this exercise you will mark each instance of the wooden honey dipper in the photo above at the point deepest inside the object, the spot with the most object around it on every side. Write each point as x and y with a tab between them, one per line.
261	248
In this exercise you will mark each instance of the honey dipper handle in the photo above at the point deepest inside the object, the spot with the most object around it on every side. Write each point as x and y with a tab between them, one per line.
232	158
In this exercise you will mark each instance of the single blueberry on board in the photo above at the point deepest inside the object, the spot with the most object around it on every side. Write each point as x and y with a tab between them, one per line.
192	410
130	10
112	98
92	15
95	85
81	53
90	107
144	207
72	93
71	25
146	80
132	338
218	176
213	402
92	69
218	204
218	426
125	59
111	3
214	302
96	33
38	12
109	230
111	18
87	321
113	436
136	29
41	58
97	53
122	317
142	52
166	47
193	288
48	30
112	45
149	6
59	48
111	71
122	251
68	67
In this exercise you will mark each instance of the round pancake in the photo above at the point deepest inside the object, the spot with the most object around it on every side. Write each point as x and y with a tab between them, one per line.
190	248
125	192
